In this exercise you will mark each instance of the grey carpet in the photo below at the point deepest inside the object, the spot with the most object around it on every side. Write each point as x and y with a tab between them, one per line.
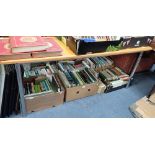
111	105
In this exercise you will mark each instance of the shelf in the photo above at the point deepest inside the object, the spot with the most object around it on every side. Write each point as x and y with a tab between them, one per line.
68	55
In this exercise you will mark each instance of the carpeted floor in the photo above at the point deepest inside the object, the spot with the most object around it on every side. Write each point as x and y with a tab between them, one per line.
111	105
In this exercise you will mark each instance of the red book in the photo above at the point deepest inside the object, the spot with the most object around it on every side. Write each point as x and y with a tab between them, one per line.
27	44
6	54
53	50
5	47
53	46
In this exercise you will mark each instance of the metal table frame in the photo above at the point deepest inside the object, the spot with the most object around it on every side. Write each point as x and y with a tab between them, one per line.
21	91
135	68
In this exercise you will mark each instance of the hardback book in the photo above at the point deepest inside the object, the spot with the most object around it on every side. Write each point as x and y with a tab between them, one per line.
5	47
27	44
6	53
53	50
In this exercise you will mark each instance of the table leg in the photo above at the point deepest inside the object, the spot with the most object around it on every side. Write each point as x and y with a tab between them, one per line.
134	68
21	91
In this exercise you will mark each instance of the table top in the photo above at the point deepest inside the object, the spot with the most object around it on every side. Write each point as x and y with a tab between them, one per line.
68	54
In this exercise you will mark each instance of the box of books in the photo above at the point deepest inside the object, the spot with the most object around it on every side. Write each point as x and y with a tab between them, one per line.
92	44
106	71
42	87
114	78
78	92
78	79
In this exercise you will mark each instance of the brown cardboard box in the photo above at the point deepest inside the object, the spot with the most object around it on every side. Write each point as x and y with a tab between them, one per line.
71	44
143	108
152	98
43	101
78	92
101	87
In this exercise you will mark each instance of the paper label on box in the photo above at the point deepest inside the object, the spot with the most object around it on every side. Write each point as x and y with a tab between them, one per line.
30	98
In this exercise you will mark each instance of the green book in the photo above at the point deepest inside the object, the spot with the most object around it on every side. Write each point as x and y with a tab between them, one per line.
36	88
45	85
77	77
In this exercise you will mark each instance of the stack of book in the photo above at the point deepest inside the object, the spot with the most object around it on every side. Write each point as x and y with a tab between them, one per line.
20	47
51	49
96	38
99	63
112	76
41	79
78	79
42	87
6	52
74	73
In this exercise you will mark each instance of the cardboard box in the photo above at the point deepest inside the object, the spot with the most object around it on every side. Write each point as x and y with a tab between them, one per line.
78	92
101	87
143	108
133	42
40	101
82	47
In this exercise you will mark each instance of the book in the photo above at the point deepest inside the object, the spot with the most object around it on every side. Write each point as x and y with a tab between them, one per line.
21	44
6	53
96	38
53	50
64	79
42	54
53	46
5	46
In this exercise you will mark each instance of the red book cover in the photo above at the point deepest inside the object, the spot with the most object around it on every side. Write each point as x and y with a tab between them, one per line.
53	46
5	47
21	44
6	53
26	41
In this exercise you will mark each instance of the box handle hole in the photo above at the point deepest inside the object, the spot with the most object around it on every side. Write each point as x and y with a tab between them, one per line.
77	92
89	89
